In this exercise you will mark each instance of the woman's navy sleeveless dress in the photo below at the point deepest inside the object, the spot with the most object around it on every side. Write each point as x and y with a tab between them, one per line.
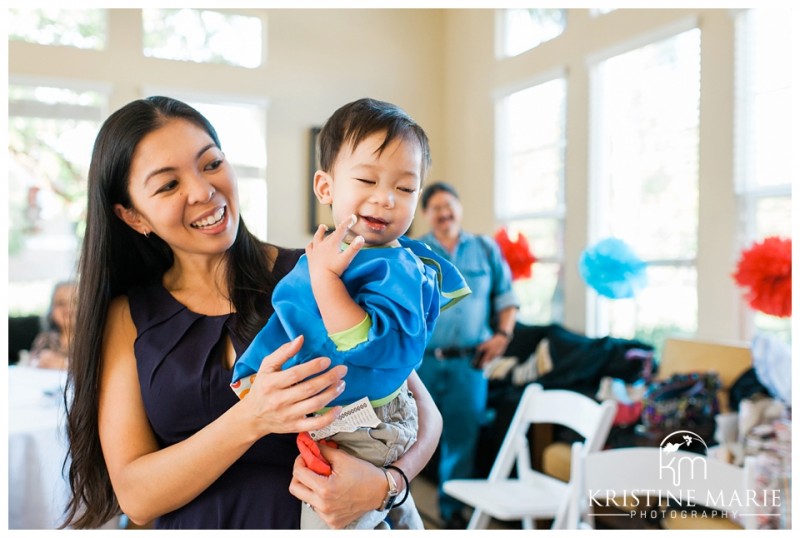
185	386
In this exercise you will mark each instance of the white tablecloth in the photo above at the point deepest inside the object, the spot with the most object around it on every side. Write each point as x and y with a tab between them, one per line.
37	446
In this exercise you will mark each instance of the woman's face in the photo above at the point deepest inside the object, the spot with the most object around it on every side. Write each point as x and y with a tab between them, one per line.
183	190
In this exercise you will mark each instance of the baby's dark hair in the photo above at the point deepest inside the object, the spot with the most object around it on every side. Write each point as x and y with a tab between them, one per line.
355	121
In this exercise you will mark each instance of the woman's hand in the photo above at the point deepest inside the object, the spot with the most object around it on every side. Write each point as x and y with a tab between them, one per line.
281	400
354	487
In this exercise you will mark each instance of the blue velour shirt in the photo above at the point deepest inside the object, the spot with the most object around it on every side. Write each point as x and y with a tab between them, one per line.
402	291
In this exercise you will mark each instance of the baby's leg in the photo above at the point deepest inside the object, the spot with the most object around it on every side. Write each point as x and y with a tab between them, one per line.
381	446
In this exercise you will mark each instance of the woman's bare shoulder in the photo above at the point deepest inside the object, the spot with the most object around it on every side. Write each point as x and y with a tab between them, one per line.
119	323
119	305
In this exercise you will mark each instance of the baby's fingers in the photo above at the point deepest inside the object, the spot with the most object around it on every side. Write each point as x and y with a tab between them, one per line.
319	235
341	230
352	249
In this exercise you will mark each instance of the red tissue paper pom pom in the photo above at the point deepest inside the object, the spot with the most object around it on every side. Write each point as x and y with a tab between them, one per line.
765	270
517	253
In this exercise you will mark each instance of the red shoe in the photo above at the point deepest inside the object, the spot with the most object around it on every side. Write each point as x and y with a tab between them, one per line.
312	455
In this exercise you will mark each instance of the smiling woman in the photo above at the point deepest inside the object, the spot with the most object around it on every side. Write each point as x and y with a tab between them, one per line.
174	194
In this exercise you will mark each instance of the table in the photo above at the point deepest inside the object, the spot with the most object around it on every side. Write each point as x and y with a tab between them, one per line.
37	445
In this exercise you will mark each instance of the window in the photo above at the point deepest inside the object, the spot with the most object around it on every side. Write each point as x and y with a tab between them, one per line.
202	35
645	182
82	28
51	131
763	139
242	130
524	29
529	198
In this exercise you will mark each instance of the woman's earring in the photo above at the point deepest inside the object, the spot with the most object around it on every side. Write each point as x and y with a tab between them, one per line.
147	234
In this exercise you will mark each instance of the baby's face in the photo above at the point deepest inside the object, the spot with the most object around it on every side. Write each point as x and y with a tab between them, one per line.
380	189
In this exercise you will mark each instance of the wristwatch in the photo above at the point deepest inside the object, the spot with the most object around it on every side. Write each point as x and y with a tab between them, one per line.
391	495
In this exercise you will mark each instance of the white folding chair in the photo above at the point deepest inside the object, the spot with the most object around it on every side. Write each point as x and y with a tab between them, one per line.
532	495
633	476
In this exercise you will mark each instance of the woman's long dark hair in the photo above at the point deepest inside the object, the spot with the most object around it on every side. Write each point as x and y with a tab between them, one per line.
115	258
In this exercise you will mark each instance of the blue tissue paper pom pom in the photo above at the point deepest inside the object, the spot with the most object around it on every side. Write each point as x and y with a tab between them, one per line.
612	269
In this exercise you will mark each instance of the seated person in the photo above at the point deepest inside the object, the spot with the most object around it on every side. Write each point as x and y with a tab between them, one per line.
50	348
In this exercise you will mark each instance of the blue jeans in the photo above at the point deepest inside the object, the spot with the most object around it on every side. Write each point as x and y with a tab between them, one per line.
460	393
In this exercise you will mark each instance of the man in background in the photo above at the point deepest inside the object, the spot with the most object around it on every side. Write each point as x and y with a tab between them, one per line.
466	337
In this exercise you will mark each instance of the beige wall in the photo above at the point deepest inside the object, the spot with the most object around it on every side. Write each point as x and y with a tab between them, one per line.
440	66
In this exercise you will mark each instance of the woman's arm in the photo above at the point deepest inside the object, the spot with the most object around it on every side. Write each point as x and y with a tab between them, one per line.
149	481
356	486
430	430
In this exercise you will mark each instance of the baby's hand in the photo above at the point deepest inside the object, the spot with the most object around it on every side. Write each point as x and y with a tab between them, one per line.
324	254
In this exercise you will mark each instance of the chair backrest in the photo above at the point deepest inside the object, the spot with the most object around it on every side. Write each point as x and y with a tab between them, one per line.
632	476
587	417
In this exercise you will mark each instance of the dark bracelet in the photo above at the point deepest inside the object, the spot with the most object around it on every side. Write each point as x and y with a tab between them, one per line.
405	479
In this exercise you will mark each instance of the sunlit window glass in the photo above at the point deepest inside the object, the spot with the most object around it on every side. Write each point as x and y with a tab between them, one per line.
763	135
82	28
529	197
51	133
541	300
203	36
534	150
646	181
242	130
524	29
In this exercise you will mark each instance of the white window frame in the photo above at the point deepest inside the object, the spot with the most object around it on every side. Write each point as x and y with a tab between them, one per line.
222	11
39	109
501	175
747	194
597	316
501	33
30	108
